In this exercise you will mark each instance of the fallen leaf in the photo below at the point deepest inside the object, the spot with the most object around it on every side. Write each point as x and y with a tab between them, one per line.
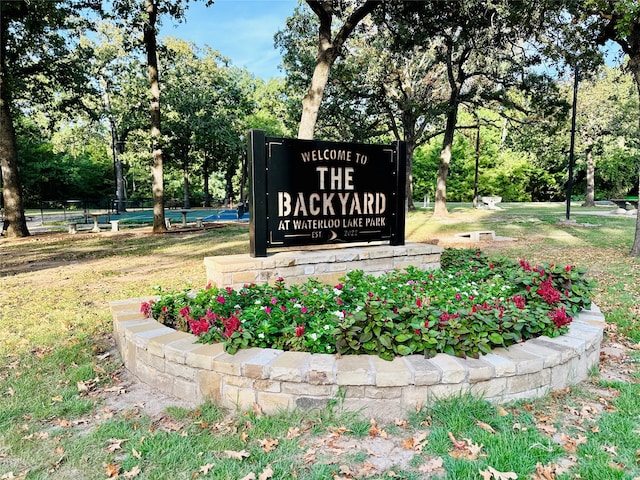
491	472
374	431
293	432
269	444
111	470
266	473
134	472
204	469
250	476
136	453
544	472
257	410
57	398
502	412
310	456
236	455
456	443
433	465
485	426
244	437
115	444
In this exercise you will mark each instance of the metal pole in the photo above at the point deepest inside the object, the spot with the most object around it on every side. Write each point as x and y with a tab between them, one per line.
573	139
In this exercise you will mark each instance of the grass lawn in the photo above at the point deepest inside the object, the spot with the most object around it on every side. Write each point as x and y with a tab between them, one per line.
67	409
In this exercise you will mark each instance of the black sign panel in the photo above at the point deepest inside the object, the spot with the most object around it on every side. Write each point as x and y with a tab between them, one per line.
325	192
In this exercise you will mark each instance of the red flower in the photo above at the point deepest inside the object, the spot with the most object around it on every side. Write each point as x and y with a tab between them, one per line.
548	292
519	301
568	268
198	327
419	303
185	311
560	317
299	330
231	324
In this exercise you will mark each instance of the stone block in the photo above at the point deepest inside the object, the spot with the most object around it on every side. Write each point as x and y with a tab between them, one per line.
550	356
530	381
156	345
382	393
354	370
444	390
203	356
180	371
423	371
210	385
232	364
258	365
415	397
176	351
290	367
153	361
453	371
322	369
390	373
578	345
267	386
294	388
478	369
525	361
503	367
492	388
240	399
272	403
185	390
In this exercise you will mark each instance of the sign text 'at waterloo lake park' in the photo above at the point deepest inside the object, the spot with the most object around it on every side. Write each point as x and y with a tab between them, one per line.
307	192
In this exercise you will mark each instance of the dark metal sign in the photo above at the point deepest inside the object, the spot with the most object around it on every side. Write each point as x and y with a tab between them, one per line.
307	192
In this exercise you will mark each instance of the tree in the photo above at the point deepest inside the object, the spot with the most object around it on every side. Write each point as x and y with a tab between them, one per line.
43	39
620	22
330	47
147	16
482	48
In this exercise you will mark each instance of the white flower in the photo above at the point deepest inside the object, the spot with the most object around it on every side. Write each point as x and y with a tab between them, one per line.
297	305
257	302
261	335
314	336
337	291
237	306
327	327
339	314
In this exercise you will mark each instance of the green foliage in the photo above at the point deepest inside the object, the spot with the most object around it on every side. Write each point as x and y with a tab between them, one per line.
468	307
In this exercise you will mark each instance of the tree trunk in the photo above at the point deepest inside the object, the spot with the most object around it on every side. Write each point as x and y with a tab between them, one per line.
634	66
15	223
589	199
205	174
186	203
440	208
312	100
154	109
328	50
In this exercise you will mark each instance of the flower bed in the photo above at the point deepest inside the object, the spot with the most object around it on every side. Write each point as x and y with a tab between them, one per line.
469	307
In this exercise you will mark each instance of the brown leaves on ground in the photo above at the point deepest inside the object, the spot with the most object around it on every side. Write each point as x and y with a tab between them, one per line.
465	448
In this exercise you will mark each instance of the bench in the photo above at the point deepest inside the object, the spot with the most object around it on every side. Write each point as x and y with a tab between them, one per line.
491	202
624	202
478	235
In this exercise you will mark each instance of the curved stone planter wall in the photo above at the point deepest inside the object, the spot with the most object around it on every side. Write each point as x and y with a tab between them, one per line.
175	364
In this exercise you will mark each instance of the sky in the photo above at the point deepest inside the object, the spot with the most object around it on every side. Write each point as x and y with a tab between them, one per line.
241	30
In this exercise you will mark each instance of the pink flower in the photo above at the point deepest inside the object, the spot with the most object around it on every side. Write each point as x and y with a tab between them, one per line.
185	311
458	296
267	310
145	308
274	300
221	299
340	286
303	309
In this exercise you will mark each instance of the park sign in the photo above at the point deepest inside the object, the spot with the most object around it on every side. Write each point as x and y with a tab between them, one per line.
307	192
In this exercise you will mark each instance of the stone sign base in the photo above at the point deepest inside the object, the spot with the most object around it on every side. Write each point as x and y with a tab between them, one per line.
327	264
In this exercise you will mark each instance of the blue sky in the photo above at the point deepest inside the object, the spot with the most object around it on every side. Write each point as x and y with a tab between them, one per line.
242	30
